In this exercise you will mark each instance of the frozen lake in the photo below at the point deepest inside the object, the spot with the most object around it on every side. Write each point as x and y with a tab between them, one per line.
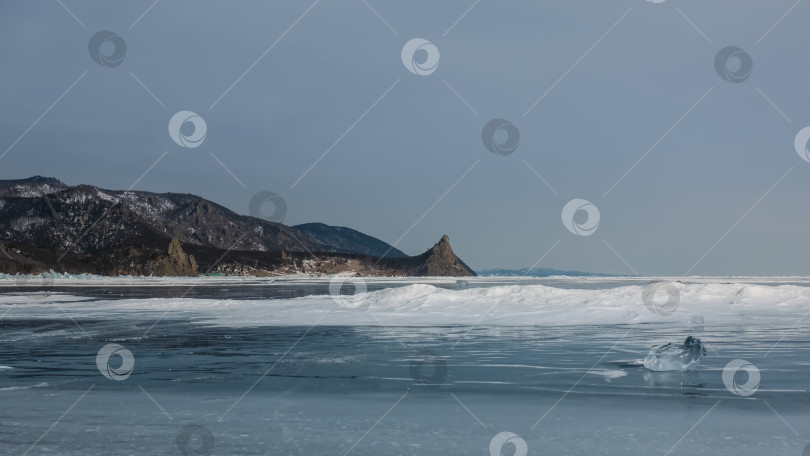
411	367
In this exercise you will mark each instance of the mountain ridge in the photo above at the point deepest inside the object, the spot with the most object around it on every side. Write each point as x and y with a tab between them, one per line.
46	223
348	240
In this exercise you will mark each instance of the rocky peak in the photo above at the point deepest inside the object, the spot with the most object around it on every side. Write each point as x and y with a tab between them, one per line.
177	263
440	260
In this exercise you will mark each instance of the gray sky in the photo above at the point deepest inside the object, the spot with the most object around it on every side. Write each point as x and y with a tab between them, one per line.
616	78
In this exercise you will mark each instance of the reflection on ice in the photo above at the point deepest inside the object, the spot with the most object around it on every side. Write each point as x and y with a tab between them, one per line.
671	379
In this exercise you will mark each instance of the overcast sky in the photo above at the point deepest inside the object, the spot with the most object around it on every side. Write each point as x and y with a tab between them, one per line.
618	103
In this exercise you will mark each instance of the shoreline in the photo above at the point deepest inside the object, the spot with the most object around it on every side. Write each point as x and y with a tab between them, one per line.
40	281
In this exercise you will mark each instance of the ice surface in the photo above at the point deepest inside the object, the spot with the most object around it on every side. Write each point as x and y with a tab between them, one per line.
277	366
425	304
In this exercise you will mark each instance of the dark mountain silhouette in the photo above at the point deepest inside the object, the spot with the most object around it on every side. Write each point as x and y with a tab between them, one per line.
85	219
45	224
346	240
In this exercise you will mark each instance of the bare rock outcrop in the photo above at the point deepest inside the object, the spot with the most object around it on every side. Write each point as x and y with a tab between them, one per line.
176	264
440	260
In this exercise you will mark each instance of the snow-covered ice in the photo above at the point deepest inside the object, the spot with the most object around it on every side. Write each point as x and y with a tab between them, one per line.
432	304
